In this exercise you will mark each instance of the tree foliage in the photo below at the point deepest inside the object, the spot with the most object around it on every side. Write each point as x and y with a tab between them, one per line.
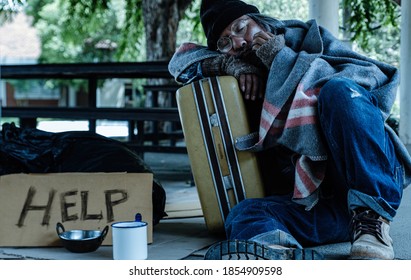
191	30
374	28
367	17
115	30
8	8
133	24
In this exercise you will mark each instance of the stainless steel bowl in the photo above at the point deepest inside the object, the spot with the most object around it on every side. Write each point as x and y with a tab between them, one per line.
81	241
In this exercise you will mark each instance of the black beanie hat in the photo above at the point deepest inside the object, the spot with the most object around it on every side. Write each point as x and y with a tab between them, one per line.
216	15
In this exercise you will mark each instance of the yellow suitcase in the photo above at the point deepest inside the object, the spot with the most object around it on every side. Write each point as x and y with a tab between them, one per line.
213	115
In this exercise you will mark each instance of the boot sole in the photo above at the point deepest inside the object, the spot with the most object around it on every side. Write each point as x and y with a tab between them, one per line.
250	250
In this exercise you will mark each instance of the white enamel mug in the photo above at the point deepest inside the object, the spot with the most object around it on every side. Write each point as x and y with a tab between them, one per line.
130	239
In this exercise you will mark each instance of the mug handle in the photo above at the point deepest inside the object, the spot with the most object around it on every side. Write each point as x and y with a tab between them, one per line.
60	228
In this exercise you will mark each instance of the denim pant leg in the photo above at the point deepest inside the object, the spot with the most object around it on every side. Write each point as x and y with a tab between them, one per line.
360	147
279	220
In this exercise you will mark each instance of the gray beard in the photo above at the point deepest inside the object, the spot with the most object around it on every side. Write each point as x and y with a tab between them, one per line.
248	55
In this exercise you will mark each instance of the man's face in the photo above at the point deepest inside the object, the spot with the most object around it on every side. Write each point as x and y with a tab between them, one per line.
238	35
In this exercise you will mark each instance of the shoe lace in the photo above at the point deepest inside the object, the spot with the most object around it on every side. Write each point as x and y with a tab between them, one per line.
367	222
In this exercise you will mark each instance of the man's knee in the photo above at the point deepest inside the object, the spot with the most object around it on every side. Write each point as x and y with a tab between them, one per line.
336	91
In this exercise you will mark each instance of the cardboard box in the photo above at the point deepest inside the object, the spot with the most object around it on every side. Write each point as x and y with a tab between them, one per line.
32	204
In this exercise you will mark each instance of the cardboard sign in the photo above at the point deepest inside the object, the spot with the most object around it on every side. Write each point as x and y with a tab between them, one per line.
32	204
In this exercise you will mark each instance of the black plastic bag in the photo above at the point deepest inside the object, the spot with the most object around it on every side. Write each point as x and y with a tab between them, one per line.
37	151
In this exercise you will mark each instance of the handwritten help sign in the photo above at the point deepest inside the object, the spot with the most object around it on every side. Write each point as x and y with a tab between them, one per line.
32	204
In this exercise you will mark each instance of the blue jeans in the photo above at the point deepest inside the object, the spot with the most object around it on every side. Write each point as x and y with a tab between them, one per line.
362	171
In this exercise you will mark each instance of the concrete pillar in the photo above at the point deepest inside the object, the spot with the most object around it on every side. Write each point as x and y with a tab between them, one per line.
326	14
72	97
405	70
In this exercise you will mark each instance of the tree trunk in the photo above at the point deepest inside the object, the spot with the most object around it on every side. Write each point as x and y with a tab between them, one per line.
161	18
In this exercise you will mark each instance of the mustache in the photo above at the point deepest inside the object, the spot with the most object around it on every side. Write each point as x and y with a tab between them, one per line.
244	51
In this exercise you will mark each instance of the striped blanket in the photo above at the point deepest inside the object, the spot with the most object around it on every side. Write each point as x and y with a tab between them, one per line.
289	115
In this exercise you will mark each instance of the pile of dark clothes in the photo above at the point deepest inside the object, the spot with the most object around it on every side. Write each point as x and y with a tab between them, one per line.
37	151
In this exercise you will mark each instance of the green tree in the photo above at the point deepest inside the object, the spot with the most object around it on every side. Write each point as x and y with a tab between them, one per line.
374	26
367	16
8	8
65	39
130	30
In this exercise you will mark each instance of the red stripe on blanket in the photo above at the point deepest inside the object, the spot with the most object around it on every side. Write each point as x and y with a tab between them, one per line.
275	131
307	183
271	109
269	113
265	124
304	103
290	123
186	47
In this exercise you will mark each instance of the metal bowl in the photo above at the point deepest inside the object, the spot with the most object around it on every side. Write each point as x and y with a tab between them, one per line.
81	241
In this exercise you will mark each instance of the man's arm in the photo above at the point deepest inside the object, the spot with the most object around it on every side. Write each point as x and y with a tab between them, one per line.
185	65
192	62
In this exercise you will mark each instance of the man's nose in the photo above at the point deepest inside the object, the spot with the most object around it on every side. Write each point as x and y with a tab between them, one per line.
238	42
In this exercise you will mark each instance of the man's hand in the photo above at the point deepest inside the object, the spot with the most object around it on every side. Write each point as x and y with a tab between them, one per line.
249	76
260	38
267	45
252	86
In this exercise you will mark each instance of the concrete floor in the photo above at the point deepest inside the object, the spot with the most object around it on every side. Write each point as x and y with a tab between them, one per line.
173	240
178	236
183	235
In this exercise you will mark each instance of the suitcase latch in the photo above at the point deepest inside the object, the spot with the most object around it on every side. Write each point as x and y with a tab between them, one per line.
214	120
228	182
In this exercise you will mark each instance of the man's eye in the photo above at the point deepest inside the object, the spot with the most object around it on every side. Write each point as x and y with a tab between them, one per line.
240	27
